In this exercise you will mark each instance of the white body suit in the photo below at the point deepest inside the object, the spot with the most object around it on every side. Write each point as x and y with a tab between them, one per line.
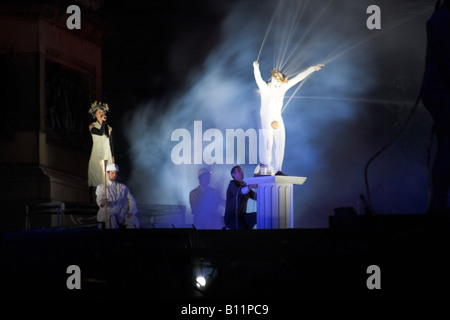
120	202
272	98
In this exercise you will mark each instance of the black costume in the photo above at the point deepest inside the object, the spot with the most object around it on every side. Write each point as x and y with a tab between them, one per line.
236	207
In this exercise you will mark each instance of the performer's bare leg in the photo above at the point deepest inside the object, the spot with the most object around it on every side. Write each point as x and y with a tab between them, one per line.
280	140
267	142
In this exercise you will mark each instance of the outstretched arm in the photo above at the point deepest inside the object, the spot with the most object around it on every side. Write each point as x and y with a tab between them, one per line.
259	80
302	75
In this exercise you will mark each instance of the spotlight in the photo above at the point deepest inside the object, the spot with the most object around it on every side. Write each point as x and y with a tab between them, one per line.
201	281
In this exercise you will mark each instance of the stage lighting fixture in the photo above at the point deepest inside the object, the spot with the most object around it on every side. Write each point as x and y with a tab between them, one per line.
201	281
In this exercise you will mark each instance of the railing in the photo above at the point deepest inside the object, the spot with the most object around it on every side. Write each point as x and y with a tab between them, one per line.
161	216
61	210
149	215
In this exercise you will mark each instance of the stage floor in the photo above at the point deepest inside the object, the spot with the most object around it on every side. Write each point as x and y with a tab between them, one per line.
260	265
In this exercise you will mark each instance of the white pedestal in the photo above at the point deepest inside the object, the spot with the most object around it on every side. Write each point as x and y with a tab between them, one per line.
275	200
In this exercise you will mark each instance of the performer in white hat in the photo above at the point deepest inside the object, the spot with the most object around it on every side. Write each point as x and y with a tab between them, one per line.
272	125
205	203
121	206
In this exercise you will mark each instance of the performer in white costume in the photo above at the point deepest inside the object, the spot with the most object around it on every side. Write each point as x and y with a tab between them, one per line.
102	149
121	206
272	125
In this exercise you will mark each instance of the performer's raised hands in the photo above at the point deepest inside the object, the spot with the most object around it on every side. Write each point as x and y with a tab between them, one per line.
317	67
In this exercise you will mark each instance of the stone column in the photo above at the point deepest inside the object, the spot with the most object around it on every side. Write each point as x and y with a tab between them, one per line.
275	202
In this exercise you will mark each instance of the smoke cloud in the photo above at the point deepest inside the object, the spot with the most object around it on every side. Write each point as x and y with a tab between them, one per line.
335	121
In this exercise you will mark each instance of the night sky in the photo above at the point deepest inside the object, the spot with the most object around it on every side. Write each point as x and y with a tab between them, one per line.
155	44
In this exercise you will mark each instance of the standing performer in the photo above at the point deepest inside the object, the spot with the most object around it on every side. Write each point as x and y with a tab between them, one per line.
272	125
238	193
205	203
101	143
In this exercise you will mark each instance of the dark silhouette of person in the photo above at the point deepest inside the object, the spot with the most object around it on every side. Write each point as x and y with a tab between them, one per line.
435	95
238	193
205	202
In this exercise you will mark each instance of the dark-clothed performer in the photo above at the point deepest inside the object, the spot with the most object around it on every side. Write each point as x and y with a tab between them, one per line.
238	193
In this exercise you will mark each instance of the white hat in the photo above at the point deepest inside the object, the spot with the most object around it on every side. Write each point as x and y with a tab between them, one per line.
112	167
202	171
